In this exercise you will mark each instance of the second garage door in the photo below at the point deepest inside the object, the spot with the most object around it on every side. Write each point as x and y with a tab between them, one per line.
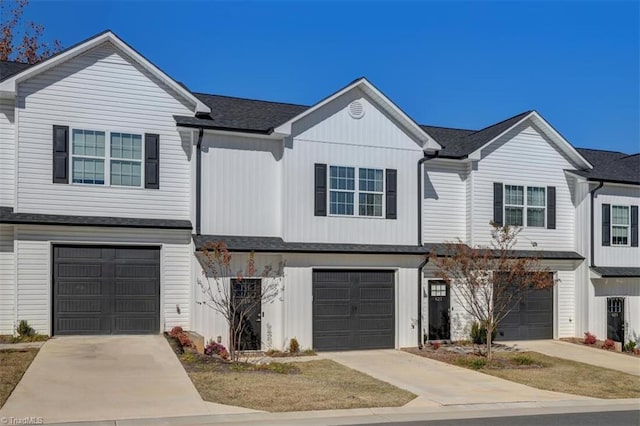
106	290
530	319
353	310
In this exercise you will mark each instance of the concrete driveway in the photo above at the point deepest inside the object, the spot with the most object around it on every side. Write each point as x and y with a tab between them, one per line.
607	359
437	383
107	377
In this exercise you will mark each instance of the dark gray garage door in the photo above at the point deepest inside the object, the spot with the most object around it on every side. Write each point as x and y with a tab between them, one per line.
530	319
353	310
106	290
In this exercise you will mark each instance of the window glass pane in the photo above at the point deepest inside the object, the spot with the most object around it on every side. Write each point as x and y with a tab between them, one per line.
514	195
513	216
78	142
370	204
125	173
341	203
371	180
536	197
87	142
620	215
619	235
535	217
126	146
341	178
88	170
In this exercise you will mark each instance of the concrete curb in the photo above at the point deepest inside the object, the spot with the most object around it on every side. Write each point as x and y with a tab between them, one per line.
382	415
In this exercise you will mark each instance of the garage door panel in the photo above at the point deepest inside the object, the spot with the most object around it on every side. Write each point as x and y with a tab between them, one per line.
353	310
531	318
108	294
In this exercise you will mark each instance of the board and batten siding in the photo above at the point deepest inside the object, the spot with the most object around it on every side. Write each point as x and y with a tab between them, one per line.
241	184
524	157
7	280
582	232
444	206
331	136
34	251
614	195
7	153
102	89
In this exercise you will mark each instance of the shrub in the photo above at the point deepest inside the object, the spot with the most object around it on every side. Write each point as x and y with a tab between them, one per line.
608	344
630	346
523	360
294	346
182	337
589	339
176	331
473	363
479	333
436	345
214	348
25	330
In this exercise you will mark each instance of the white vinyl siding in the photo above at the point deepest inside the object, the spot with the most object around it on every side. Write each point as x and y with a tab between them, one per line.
614	255
33	257
444	212
7	280
508	160
331	136
103	90
7	153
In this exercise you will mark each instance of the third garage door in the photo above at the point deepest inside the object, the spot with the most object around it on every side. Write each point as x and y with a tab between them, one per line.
353	310
106	290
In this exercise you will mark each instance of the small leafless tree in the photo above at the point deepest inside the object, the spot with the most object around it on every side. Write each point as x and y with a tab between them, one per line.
236	295
490	280
22	41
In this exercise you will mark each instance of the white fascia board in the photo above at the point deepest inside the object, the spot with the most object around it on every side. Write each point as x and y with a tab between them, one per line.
593	274
428	143
9	85
271	136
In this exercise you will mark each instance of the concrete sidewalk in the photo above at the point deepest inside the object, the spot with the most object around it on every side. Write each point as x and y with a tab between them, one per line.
598	357
437	383
107	377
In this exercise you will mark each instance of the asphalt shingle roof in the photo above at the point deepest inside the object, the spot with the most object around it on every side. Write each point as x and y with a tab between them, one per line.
611	166
9	68
617	272
8	216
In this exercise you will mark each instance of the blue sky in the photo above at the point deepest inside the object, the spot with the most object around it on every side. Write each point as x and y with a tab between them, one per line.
454	64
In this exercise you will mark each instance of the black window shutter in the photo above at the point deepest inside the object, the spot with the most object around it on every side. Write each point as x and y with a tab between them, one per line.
551	207
320	190
606	224
151	161
392	194
634	226
497	203
60	163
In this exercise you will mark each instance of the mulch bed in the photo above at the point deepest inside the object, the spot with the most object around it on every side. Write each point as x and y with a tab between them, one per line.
599	345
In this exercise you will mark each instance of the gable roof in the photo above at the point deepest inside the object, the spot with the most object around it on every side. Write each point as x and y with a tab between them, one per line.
9	68
611	166
9	83
428	142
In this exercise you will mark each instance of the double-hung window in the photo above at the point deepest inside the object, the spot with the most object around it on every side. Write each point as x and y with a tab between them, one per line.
620	225
519	209
106	158
348	199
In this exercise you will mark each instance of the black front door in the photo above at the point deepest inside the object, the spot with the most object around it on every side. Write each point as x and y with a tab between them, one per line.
439	324
615	318
247	300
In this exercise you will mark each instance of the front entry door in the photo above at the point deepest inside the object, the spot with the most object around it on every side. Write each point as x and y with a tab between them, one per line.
247	300
615	319
439	325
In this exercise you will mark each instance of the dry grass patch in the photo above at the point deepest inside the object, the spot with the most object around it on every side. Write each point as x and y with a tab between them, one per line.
548	373
13	364
312	385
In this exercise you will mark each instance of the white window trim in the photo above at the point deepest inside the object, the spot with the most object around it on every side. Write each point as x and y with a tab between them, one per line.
627	226
107	157
525	205
356	192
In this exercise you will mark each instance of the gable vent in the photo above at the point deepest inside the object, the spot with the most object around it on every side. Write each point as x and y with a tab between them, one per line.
356	109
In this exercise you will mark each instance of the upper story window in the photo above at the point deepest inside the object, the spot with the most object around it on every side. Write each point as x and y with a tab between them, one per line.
520	209
346	198
620	225
90	153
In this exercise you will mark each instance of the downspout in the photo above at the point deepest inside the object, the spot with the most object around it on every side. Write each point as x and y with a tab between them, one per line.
593	196
199	180
426	260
